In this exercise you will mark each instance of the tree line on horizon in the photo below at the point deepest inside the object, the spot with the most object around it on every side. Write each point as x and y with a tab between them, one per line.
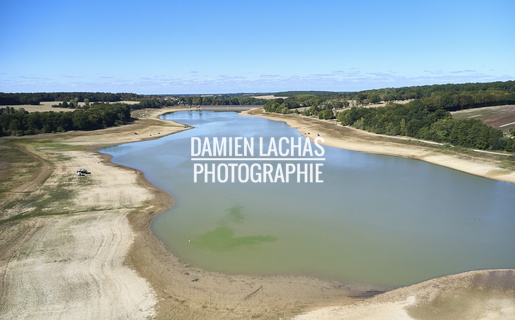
158	102
451	97
13	99
449	94
71	99
322	104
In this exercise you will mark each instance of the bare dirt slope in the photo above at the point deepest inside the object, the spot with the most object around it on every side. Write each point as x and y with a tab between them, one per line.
487	294
71	264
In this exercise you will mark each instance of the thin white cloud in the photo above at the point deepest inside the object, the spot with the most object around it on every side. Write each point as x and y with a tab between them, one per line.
226	77
463	71
340	80
269	76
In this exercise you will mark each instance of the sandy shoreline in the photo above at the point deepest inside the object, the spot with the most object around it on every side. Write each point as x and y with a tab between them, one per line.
100	260
352	139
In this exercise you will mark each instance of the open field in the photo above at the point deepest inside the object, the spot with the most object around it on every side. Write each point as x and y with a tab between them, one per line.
267	97
501	117
43	106
380	104
47	106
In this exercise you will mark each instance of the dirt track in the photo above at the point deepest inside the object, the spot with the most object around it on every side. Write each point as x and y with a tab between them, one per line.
90	283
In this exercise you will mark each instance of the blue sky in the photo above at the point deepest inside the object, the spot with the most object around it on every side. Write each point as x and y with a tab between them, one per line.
199	46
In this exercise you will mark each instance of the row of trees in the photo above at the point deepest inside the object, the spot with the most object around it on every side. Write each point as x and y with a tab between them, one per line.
158	102
320	106
19	122
72	99
73	104
454	101
467	95
445	99
219	101
429	124
430	91
449	96
35	98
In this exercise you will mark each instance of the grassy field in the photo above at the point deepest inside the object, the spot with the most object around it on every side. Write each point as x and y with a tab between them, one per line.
43	106
47	106
18	167
25	171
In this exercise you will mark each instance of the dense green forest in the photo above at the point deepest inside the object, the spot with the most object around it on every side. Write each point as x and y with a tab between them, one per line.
19	122
429	124
426	116
482	91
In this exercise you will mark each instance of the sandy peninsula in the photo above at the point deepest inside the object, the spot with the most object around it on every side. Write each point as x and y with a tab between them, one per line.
89	253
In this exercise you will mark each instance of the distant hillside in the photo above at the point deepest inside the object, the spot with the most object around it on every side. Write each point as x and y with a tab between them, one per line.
426	116
448	94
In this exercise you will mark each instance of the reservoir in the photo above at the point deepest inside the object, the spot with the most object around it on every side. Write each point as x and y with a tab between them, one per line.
373	219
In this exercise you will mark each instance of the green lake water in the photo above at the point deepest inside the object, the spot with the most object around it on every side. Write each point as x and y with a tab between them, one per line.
375	219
